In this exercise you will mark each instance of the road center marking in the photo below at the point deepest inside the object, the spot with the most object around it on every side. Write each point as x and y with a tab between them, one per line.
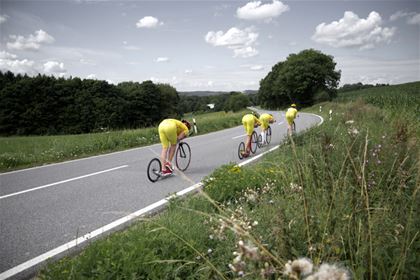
62	182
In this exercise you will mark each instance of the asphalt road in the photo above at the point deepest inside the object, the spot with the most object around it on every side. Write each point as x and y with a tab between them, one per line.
44	207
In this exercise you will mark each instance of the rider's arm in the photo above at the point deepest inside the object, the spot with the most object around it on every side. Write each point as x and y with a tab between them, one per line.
184	131
182	135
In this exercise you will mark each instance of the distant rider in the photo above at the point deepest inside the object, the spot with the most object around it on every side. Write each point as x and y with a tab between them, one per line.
291	114
265	120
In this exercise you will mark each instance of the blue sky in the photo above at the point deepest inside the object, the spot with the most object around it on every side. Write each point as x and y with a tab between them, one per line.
208	45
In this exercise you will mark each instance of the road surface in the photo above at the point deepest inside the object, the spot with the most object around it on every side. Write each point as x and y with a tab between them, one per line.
44	207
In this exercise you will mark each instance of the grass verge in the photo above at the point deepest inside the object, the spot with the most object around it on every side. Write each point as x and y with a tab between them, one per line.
342	199
22	152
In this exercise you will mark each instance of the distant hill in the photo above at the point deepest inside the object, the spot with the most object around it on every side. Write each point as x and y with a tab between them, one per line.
209	93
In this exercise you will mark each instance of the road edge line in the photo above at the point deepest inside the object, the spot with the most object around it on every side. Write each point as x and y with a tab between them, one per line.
146	210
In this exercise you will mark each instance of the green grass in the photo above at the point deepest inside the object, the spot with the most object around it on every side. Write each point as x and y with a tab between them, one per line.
344	193
21	152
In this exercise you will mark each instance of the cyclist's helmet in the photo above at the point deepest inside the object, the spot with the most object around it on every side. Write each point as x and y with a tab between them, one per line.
293	105
187	123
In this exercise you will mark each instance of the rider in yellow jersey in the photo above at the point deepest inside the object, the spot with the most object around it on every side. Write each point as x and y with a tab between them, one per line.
265	120
170	131
249	121
291	114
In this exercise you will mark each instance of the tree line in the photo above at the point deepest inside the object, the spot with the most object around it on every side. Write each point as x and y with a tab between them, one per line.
45	105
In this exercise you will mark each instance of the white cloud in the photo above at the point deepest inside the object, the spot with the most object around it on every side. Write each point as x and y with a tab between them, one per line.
9	62
240	41
255	11
415	19
3	18
162	59
188	71
412	17
129	47
91	77
352	31
87	62
54	68
257	67
245	52
33	42
397	15
6	55
148	22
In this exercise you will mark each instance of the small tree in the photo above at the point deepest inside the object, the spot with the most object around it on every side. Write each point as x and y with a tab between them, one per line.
299	79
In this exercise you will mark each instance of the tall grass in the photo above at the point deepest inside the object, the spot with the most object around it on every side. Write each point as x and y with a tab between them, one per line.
397	98
20	152
344	194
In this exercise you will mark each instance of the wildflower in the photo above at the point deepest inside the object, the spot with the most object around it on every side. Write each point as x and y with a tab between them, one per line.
209	251
302	266
232	267
255	223
353	131
211	236
288	268
250	251
328	271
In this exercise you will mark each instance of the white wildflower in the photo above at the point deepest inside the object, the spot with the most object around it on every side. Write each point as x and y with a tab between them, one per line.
330	272
302	266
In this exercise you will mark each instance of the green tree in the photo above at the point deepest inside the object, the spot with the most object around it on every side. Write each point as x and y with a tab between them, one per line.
236	102
299	79
169	102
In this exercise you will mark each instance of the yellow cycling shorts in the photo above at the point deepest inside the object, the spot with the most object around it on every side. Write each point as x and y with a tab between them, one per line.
167	133
265	120
290	119
248	122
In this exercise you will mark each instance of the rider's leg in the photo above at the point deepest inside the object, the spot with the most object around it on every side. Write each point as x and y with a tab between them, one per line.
248	143
171	152
264	137
163	157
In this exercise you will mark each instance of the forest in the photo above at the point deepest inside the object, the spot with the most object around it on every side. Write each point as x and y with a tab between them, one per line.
46	105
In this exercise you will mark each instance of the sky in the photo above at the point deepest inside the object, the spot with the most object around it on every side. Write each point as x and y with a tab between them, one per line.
208	45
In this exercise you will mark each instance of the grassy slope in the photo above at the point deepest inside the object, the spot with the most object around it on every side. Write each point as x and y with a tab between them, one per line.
344	193
21	152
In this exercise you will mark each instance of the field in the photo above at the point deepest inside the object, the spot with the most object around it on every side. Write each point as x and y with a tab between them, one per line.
20	152
342	200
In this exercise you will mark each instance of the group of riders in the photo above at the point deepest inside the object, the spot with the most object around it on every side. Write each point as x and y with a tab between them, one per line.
171	131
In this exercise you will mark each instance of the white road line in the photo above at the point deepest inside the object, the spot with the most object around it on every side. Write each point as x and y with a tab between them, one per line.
41	258
243	135
280	123
30	263
62	182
